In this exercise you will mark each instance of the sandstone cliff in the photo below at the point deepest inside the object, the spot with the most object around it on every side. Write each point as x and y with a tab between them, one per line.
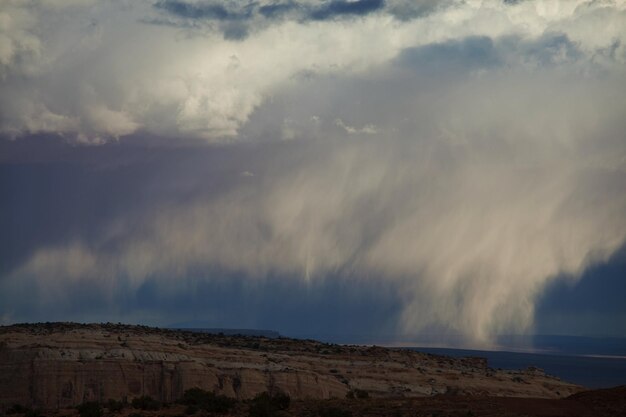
58	365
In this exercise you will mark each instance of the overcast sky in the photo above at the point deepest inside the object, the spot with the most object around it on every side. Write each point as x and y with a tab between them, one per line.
384	168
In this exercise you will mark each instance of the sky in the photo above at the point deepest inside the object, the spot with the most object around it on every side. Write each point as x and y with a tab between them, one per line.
387	169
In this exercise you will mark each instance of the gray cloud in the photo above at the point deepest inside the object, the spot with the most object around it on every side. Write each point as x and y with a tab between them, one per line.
459	55
469	208
462	162
236	21
593	306
338	8
476	53
246	12
60	61
404	10
210	11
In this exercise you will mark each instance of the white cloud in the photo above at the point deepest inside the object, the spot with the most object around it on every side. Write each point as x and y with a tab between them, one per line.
491	157
192	82
368	129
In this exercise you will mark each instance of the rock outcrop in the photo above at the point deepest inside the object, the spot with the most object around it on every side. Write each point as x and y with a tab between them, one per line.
57	365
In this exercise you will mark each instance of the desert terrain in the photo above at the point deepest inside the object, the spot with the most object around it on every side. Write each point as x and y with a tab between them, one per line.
52	367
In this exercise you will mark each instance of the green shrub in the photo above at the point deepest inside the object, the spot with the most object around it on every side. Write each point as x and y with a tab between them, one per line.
269	405
207	401
146	403
90	409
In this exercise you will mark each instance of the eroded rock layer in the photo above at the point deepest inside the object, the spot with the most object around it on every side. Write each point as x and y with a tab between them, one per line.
56	365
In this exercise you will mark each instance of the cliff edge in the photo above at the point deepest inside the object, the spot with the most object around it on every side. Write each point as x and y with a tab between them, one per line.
57	365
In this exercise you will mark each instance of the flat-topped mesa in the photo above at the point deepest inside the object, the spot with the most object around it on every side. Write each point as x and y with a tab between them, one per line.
56	365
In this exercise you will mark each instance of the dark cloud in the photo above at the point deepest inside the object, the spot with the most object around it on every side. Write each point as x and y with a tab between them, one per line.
235	30
303	12
593	306
61	201
405	10
276	10
456	55
83	191
339	8
481	52
209	11
236	21
335	307
552	48
53	193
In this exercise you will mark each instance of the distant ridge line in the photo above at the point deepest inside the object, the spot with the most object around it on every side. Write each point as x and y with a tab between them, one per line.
270	334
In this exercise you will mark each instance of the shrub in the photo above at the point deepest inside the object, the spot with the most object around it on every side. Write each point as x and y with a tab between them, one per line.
359	393
146	403
207	401
115	406
269	405
18	409
333	412
90	409
33	413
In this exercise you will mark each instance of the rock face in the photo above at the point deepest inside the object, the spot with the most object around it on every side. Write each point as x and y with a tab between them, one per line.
58	365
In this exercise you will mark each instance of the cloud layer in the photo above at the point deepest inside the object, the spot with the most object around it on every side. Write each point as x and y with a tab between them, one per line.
464	154
95	71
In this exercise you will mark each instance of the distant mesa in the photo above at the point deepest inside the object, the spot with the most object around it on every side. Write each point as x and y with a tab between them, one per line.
270	334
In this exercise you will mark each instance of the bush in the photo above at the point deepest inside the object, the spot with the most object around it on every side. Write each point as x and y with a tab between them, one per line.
146	403
18	409
199	399
333	412
90	409
115	406
359	393
269	405
33	413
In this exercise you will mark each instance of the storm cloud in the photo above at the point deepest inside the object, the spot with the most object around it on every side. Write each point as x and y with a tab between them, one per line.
463	159
304	11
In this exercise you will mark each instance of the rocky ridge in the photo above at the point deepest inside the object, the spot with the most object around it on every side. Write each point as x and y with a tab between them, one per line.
57	365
